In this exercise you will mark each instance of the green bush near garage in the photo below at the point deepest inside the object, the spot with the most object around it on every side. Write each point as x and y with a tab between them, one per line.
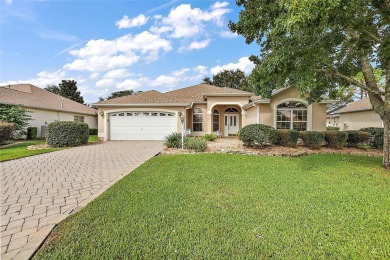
32	132
332	128
93	131
65	134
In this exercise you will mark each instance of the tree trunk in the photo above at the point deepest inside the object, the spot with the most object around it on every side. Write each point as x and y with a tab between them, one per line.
386	141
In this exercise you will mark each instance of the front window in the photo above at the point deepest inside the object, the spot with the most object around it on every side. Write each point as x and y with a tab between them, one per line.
79	118
197	120
291	115
215	120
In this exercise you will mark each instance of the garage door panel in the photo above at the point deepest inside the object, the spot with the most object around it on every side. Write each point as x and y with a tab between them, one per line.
142	125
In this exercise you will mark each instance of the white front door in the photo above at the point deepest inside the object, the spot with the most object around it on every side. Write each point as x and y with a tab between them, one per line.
231	124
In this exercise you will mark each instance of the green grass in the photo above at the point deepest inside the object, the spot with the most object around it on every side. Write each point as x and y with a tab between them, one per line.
93	138
19	150
235	207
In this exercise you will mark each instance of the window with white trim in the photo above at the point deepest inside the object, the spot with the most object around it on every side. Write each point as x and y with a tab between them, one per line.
215	120
291	115
197	120
79	118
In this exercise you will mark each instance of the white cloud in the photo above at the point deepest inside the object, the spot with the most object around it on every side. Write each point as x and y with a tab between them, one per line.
117	74
243	63
94	75
103	55
196	45
184	21
8	2
105	83
43	79
200	69
129	84
166	81
218	5
228	34
137	21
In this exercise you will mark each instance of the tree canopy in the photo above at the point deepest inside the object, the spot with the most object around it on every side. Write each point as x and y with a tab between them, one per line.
233	78
67	89
320	45
15	114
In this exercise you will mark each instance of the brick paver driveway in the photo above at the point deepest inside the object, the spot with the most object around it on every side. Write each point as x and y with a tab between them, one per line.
39	191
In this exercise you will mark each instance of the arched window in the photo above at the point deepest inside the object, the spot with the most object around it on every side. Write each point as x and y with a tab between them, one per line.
231	110
215	120
291	115
197	120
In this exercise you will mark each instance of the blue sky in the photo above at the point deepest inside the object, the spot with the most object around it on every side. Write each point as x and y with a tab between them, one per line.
116	45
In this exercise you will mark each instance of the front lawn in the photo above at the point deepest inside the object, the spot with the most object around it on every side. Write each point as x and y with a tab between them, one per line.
93	139
235	206
19	150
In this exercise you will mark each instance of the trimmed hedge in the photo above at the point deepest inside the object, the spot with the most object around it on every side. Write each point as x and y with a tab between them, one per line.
93	131
335	139
376	138
312	139
332	128
32	132
6	130
63	134
284	137
356	138
256	134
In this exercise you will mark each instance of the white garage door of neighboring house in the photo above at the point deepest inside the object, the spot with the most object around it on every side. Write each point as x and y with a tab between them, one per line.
141	125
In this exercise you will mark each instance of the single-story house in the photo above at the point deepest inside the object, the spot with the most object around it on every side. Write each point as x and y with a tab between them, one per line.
355	116
202	109
46	107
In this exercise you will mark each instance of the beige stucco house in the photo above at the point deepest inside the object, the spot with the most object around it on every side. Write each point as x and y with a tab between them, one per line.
355	116
46	107
202	109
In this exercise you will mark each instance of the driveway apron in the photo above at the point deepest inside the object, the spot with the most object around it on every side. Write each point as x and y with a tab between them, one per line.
37	192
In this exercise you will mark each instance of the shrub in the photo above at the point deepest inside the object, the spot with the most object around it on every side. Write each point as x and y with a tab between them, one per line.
332	128
195	143
210	137
63	134
93	131
256	134
32	132
376	136
284	137
357	138
6	130
173	140
335	139
312	139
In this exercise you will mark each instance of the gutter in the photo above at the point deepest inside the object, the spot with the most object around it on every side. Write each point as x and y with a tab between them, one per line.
142	105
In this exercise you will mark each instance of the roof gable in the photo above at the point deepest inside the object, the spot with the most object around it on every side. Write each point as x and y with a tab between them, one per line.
187	95
31	96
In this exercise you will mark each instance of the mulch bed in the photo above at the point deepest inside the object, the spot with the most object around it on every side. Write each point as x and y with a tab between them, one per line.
280	151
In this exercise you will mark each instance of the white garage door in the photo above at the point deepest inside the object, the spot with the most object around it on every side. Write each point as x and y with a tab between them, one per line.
141	125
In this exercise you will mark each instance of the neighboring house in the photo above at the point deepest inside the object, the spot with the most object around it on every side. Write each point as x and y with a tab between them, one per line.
202	109
46	107
355	116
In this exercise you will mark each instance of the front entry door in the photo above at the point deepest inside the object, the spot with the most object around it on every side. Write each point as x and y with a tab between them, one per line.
231	124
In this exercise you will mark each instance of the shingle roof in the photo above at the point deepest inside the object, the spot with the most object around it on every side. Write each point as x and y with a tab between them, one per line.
31	96
184	95
363	104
